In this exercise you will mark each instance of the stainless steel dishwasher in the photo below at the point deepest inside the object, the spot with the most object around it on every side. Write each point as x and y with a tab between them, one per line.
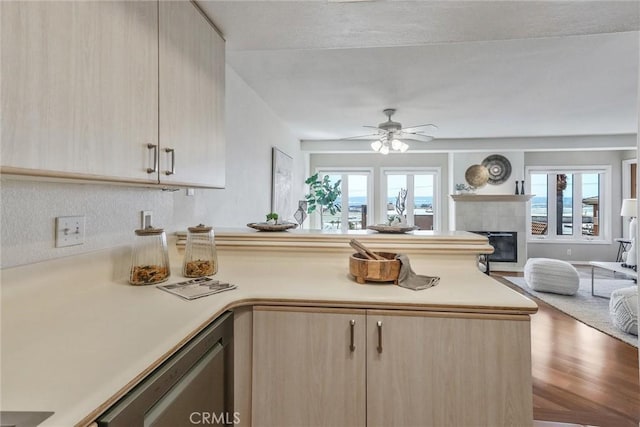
192	386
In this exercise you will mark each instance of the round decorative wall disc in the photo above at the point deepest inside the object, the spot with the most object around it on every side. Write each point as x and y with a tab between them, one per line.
476	176
499	168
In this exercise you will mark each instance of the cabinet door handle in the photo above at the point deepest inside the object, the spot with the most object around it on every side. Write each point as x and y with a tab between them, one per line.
352	346
173	161
153	147
379	336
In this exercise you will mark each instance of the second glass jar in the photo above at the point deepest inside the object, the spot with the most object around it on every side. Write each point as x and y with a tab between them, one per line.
200	258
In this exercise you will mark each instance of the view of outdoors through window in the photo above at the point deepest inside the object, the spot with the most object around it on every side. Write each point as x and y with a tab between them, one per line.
420	196
566	204
419	208
358	202
354	192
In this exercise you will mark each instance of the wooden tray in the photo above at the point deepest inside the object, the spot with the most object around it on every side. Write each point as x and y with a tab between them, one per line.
381	228
364	269
263	226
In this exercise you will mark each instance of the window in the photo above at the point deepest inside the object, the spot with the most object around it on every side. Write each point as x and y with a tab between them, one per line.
356	195
422	198
569	204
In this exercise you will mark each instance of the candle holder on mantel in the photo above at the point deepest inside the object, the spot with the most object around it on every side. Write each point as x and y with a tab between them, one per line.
517	192
521	187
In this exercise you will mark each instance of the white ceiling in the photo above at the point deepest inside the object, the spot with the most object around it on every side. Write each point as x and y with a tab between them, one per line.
477	69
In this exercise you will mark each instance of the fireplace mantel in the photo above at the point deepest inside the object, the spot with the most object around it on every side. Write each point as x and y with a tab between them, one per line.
492	197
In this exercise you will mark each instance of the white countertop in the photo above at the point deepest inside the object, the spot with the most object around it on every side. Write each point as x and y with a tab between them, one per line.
76	335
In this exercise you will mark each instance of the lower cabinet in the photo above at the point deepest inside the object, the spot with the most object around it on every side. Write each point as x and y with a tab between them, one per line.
309	367
340	367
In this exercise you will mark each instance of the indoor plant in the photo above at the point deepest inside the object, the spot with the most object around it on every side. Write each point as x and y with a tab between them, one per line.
272	218
323	195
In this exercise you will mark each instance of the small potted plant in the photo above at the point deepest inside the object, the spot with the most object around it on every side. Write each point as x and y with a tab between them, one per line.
272	218
463	189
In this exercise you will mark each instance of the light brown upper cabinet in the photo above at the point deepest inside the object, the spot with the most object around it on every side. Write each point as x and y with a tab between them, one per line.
191	97
81	95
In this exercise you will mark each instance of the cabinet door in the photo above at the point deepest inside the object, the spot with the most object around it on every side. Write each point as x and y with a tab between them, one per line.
305	372
191	97
79	88
462	370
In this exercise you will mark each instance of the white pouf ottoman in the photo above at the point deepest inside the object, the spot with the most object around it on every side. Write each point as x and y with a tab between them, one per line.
623	309
551	275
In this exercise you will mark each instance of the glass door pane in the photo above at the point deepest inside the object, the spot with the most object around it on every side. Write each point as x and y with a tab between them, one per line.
564	204
395	183
590	204
358	202
423	201
332	221
539	204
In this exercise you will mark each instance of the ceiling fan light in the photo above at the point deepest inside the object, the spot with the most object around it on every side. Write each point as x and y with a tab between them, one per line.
376	145
384	149
404	147
396	144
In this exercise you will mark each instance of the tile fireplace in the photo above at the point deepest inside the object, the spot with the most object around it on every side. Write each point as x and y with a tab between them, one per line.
489	215
505	245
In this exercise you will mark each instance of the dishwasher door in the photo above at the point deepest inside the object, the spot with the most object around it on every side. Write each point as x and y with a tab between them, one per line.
200	393
193	386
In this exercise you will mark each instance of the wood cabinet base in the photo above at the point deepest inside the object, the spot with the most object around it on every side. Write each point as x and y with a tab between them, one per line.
333	367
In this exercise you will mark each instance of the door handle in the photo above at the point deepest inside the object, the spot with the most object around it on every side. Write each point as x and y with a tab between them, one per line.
352	325
173	161
379	336
153	147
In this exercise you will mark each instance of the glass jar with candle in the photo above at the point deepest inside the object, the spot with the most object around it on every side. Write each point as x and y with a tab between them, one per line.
150	258
200	258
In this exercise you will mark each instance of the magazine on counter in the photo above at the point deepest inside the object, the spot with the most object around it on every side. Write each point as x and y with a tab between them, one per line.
197	288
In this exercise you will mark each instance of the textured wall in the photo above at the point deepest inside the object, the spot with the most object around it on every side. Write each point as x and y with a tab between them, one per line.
29	209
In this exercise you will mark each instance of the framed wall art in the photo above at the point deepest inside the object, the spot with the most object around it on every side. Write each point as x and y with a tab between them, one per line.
281	180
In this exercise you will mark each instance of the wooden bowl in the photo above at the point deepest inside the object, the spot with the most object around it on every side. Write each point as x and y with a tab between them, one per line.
364	269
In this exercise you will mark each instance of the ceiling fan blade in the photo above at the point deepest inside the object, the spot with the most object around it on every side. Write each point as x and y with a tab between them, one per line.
416	140
410	128
362	136
417	137
416	132
373	127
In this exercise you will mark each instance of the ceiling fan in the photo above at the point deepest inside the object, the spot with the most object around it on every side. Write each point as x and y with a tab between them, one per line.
391	135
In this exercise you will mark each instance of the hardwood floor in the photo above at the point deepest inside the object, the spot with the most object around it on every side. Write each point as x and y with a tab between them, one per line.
580	375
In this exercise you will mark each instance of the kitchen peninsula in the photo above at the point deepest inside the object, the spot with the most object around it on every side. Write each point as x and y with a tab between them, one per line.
76	337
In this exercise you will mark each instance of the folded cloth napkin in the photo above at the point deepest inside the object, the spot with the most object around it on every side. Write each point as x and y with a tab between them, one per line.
409	279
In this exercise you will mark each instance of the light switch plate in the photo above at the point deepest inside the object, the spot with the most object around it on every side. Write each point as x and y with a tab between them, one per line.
69	231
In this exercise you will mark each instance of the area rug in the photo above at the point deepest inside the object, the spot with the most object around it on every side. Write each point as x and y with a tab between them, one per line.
584	307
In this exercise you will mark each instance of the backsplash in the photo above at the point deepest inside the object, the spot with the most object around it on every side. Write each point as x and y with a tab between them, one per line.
29	209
